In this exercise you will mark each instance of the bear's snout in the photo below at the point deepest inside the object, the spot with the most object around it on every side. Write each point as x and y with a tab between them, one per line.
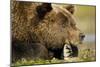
82	36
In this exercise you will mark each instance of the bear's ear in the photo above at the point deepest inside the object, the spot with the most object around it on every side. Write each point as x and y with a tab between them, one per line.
71	8
43	9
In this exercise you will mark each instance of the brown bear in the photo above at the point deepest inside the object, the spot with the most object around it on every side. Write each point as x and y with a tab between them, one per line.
40	30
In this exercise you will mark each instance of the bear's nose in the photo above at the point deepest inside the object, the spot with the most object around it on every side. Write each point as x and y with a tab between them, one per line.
82	36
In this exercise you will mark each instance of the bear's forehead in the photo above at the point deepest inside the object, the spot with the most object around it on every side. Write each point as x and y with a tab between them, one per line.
57	9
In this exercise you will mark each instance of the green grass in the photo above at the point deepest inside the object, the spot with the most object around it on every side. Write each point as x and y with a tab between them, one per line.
84	56
87	55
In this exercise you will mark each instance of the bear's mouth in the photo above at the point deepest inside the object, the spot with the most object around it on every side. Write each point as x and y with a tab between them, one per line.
81	42
71	48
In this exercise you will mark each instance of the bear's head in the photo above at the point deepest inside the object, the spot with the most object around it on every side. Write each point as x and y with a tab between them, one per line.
56	24
48	24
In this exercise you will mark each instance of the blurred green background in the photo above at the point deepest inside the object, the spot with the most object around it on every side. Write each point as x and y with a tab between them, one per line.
86	18
86	21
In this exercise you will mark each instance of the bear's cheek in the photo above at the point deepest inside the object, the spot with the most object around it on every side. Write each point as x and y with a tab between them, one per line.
73	36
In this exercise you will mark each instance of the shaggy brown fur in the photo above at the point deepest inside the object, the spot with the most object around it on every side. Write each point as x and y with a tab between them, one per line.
39	31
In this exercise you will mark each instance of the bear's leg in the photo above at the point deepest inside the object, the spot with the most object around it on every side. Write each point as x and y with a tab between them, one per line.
28	51
39	51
